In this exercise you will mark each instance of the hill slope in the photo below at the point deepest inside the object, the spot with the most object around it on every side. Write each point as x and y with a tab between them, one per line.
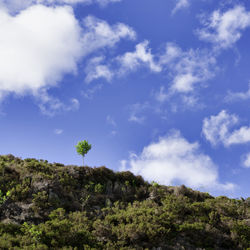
52	206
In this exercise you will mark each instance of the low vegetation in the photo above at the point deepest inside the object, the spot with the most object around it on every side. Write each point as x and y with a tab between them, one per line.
52	206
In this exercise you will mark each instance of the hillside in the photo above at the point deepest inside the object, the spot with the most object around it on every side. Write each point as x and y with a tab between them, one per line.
52	206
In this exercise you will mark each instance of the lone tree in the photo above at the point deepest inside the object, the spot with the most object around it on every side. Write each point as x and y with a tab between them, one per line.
83	148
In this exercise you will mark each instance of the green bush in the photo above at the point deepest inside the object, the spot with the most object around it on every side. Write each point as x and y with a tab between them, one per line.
99	188
76	208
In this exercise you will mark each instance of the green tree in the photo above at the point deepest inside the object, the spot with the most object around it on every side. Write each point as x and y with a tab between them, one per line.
83	148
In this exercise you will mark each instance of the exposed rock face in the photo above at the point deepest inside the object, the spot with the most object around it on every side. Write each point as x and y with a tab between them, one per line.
12	211
40	185
18	213
109	188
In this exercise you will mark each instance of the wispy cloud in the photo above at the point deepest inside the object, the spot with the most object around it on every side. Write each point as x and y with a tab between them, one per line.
188	72
225	28
58	131
51	106
136	112
89	93
99	34
123	64
95	70
188	68
246	161
17	5
219	129
111	121
238	96
142	56
172	159
162	95
180	4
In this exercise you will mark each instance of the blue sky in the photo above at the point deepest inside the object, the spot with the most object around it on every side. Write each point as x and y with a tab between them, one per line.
160	88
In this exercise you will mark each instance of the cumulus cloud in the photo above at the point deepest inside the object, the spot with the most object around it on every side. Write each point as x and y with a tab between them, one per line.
225	28
188	68
239	136
180	4
188	71
216	128
173	160
219	129
128	62
37	47
99	34
142	55
41	44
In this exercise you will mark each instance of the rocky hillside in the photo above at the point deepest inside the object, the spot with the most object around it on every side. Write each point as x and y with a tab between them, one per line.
52	206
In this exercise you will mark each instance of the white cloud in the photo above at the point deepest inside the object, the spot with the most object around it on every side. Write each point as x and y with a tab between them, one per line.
136	112
110	120
58	131
105	2
95	70
185	82
50	105
100	2
218	129
13	6
173	160
187	68
41	44
17	5
75	104
161	95
181	4
37	47
246	162
239	136
231	96
99	34
142	55
89	93
225	28
128	62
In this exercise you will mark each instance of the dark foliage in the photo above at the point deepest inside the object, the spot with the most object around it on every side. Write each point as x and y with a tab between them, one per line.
52	206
